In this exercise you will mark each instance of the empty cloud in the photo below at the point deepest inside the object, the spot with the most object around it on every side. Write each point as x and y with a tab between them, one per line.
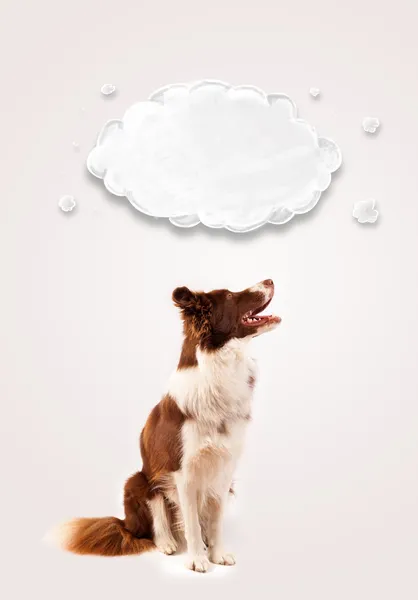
208	152
364	211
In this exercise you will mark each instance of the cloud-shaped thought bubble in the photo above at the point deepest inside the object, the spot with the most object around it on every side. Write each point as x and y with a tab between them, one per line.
224	156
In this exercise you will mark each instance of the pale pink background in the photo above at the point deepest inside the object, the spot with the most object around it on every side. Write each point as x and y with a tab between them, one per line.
327	505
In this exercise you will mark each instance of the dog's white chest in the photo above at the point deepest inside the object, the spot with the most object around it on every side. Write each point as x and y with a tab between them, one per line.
220	388
217	395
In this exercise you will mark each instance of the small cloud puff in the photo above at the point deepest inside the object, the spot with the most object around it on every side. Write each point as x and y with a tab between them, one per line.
67	203
314	92
211	153
371	124
364	211
107	89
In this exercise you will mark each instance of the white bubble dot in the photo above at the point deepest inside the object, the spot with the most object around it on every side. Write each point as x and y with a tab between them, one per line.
371	124
67	203
107	89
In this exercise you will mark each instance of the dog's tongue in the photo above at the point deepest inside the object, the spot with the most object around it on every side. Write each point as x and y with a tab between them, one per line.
261	319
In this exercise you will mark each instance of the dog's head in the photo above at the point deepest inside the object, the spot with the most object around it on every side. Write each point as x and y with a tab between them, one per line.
213	318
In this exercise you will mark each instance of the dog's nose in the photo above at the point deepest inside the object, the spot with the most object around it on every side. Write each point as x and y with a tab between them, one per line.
268	282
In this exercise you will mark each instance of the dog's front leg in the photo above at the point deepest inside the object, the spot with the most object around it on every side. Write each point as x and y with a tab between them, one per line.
214	533
187	493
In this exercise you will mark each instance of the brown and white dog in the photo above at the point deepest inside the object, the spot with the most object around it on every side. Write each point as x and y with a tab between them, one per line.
192	439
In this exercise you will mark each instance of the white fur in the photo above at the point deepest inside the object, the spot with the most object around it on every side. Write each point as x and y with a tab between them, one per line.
217	393
264	289
163	537
60	535
217	389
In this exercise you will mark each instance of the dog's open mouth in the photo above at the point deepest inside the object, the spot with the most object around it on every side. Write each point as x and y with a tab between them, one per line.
253	319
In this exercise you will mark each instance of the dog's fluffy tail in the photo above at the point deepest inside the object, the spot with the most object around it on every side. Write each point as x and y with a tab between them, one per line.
106	536
109	536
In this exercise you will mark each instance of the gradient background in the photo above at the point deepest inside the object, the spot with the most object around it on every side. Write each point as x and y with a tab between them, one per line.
327	490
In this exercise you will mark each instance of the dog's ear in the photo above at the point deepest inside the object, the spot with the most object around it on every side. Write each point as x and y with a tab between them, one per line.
191	303
184	298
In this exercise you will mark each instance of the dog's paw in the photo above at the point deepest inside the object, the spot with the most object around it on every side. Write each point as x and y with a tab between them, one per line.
198	563
219	557
166	545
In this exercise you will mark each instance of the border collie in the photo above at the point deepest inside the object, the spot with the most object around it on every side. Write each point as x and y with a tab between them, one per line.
192	439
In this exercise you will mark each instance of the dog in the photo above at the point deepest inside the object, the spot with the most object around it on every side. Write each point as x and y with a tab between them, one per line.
192	439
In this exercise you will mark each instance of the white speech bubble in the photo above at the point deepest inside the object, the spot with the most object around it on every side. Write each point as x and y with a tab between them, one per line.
208	152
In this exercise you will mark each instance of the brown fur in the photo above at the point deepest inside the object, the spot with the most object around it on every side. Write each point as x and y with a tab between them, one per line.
188	353
106	536
161	454
223	429
160	441
137	515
